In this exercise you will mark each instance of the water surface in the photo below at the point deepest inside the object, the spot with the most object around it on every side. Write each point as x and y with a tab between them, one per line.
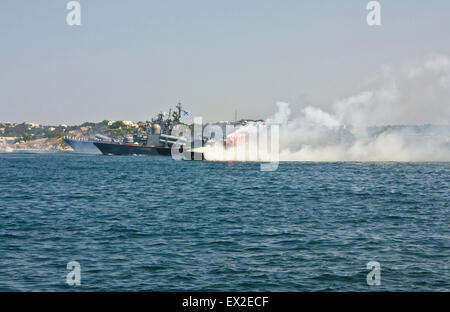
155	224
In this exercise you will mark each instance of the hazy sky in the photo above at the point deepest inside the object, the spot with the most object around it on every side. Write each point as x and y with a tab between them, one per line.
130	59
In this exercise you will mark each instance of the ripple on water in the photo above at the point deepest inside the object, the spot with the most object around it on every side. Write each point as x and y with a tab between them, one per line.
148	223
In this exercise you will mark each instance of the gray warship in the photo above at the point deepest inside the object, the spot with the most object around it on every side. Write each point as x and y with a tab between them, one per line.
157	141
85	145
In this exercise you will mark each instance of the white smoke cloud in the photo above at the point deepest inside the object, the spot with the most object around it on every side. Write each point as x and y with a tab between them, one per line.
417	95
315	115
283	114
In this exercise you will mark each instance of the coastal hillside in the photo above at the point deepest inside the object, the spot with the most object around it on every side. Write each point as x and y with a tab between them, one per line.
30	136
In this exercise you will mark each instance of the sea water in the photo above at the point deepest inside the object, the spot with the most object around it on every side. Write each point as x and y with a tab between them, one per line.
156	224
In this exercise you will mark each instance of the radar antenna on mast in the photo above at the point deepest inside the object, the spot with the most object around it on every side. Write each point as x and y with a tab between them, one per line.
177	114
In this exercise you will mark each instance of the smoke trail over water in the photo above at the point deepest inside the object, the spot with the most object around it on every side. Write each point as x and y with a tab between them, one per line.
363	127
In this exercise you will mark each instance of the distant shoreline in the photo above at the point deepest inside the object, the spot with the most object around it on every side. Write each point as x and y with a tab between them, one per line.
37	145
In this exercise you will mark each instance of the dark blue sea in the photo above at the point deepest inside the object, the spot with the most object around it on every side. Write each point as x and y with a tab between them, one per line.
155	224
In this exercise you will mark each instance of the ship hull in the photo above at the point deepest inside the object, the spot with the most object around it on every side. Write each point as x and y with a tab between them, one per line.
131	149
87	147
124	149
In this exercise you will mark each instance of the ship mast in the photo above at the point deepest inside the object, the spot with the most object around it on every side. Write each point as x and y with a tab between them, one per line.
179	109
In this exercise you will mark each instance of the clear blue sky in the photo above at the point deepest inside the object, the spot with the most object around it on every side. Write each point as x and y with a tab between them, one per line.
130	59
